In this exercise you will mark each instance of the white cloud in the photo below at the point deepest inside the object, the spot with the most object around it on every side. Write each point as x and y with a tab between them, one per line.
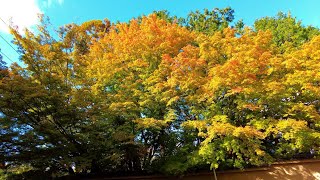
50	3
23	13
60	2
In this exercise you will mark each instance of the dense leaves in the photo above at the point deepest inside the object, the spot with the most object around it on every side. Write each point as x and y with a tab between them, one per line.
287	32
161	94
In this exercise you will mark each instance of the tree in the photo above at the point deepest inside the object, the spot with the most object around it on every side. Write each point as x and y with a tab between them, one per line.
210	21
122	64
52	115
207	22
287	31
260	92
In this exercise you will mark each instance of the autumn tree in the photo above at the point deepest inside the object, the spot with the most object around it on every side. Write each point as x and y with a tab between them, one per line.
122	64
48	126
256	93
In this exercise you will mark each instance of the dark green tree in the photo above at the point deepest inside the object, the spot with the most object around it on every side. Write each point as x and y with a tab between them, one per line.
209	22
287	31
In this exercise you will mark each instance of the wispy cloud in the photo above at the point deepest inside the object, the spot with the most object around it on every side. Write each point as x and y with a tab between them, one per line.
60	2
50	3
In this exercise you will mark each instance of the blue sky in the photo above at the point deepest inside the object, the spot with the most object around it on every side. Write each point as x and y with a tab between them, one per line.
24	12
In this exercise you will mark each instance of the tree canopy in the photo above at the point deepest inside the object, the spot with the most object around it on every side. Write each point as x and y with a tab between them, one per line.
161	94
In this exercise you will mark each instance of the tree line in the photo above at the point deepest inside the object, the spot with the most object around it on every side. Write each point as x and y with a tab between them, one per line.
160	94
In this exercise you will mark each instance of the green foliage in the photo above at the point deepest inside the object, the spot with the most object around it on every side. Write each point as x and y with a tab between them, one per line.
165	15
207	22
210	21
287	31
